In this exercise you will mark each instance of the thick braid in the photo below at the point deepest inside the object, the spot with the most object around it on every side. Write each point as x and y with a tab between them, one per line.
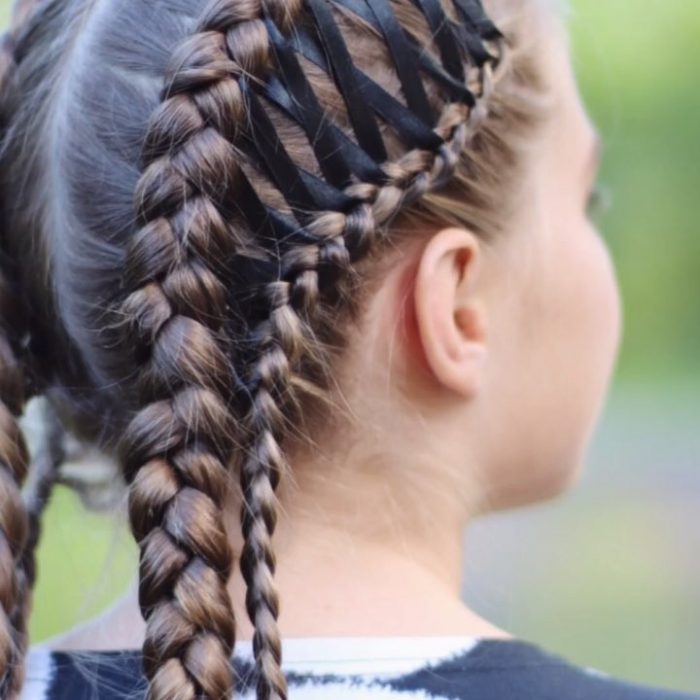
177	448
178	486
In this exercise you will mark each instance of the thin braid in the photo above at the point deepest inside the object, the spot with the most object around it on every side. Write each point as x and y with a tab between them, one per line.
260	473
343	238
176	449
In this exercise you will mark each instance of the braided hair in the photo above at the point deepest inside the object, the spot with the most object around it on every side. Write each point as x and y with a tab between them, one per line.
25	487
198	191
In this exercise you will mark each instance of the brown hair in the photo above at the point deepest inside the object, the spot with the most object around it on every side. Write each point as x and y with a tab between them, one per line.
141	302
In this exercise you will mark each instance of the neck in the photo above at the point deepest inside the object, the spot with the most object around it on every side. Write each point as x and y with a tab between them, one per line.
342	570
353	559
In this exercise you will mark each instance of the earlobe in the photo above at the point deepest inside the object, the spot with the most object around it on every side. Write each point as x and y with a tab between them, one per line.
450	317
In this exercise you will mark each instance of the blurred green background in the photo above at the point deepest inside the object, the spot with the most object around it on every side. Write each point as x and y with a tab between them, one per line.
608	575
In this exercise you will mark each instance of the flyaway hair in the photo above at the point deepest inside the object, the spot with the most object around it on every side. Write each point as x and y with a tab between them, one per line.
210	119
192	194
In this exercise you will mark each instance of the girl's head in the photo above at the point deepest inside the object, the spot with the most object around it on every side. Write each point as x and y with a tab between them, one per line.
235	261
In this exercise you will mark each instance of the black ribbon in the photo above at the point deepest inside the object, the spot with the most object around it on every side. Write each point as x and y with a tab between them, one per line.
456	89
443	35
304	192
404	60
342	68
476	18
307	111
409	128
354	157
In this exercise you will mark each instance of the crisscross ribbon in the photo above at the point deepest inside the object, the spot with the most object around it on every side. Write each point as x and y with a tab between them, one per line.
341	160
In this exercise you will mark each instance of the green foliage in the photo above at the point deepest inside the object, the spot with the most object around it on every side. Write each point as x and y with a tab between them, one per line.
637	72
614	590
85	561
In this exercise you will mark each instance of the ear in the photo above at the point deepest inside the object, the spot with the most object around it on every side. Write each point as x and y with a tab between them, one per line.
450	319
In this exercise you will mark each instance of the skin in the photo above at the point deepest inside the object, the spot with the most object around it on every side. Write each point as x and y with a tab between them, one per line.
474	384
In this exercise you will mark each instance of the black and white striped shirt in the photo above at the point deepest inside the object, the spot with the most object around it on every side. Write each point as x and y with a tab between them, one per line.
358	668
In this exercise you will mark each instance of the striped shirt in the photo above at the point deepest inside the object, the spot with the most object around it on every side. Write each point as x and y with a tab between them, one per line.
357	668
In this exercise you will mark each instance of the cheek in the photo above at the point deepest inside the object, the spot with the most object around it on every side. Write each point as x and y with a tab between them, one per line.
581	322
586	321
562	356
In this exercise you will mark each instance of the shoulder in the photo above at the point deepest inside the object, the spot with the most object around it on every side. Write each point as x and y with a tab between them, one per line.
487	670
521	670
